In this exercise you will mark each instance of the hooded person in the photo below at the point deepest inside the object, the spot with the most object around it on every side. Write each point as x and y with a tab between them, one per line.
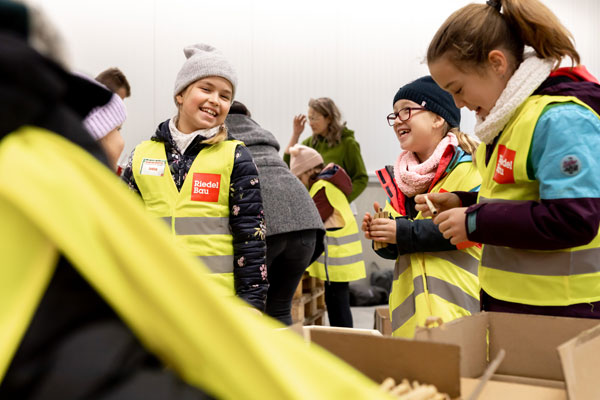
295	232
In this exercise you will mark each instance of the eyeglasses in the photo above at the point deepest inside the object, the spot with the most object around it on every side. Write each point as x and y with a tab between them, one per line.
404	115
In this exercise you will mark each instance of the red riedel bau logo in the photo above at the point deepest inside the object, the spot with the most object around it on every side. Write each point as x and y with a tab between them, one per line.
504	167
205	187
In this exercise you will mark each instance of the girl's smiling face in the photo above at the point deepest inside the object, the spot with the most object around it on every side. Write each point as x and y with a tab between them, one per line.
204	104
421	133
477	89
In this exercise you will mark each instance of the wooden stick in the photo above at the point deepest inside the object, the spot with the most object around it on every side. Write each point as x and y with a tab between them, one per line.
432	208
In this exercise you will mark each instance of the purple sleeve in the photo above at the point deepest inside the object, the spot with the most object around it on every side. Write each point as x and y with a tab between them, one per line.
548	225
467	198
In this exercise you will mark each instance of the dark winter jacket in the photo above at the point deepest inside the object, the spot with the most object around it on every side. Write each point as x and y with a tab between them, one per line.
421	235
287	205
246	219
75	345
346	154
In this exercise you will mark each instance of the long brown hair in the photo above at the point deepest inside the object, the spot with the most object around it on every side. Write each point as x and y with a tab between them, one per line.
469	34
327	108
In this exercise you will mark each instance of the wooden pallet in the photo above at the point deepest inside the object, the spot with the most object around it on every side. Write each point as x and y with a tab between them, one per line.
308	304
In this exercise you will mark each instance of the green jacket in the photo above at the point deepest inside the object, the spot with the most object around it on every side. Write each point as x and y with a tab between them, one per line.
346	154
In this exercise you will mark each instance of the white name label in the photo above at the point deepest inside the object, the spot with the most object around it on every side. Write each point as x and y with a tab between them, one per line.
151	166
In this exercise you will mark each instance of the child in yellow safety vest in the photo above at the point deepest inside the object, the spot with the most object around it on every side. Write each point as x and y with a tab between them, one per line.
432	277
203	184
342	260
538	210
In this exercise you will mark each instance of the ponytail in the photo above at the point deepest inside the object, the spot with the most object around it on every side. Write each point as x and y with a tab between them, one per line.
465	142
539	28
469	34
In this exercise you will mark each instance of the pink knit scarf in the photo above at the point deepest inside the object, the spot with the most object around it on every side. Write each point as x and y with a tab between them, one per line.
413	178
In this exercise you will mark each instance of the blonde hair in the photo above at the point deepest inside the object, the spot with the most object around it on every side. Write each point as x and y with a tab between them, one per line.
469	34
465	142
327	108
218	138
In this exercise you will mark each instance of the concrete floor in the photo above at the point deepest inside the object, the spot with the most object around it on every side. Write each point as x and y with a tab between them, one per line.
363	317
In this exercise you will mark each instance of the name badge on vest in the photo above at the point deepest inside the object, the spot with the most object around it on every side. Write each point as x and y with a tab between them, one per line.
504	166
151	166
205	187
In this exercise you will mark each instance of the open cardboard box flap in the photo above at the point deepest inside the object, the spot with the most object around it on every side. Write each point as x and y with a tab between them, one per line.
579	357
530	342
380	357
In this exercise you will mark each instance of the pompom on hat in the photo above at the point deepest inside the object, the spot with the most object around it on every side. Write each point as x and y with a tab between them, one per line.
203	60
303	158
425	92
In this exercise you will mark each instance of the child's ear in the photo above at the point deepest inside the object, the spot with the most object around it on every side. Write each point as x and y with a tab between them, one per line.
438	121
498	62
179	99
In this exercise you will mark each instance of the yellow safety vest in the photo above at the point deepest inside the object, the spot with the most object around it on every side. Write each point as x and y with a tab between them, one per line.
542	278
198	214
63	201
344	250
442	284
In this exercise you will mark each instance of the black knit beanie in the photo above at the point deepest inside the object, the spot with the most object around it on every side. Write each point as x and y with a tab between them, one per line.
425	92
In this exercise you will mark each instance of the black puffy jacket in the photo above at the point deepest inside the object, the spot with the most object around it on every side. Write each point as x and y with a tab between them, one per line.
246	217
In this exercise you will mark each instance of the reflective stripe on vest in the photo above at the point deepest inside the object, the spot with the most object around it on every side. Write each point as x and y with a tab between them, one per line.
544	278
198	214
344	249
442	284
447	291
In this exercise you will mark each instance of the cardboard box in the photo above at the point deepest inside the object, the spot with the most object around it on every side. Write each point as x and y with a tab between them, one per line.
383	323
532	344
380	357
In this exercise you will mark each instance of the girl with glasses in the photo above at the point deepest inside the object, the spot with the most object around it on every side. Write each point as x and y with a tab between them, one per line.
538	209
432	276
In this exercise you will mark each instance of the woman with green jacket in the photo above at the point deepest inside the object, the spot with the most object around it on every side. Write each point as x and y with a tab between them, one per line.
333	140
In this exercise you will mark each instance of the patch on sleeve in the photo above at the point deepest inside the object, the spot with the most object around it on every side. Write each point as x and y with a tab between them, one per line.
570	165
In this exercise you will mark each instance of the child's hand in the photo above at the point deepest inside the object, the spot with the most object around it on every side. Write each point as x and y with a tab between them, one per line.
452	224
299	122
367	220
366	225
383	229
442	201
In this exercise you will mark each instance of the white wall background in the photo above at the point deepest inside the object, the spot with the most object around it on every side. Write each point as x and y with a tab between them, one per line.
357	53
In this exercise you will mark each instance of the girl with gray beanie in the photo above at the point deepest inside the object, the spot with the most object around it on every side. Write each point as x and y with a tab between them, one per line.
432	276
204	184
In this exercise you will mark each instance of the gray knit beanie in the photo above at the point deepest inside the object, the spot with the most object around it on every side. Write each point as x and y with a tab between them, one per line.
203	60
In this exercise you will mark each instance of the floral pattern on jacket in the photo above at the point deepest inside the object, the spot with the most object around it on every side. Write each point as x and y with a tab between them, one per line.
246	218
